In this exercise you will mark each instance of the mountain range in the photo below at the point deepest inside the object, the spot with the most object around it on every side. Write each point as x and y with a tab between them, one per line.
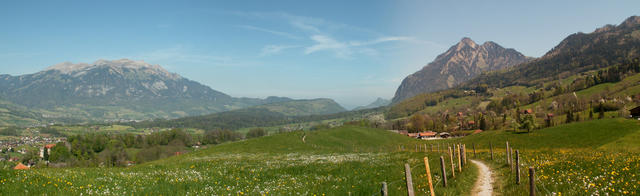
579	52
593	66
126	89
461	62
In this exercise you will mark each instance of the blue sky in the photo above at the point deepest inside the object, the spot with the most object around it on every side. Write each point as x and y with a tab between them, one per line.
350	51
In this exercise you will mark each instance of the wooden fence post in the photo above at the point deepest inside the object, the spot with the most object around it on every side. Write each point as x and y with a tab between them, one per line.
517	167
511	158
383	191
474	150
506	155
426	165
407	171
453	169
464	153
459	159
444	172
491	150
532	183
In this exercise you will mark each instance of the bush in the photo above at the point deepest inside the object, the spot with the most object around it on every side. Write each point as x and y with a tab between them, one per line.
219	136
257	132
10	131
607	107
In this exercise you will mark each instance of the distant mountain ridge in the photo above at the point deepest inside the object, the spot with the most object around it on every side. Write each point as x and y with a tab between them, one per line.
320	106
379	102
118	89
459	63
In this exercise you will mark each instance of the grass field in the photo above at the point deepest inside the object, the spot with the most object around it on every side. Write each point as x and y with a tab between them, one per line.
599	157
338	161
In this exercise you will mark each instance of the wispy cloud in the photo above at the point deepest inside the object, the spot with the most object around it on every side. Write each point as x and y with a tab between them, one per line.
346	49
274	32
323	42
275	49
321	34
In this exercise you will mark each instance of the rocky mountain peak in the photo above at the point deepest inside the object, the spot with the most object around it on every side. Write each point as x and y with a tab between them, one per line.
460	63
466	42
631	21
118	65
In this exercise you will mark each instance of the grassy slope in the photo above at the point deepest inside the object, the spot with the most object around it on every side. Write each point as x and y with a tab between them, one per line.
333	162
588	134
584	158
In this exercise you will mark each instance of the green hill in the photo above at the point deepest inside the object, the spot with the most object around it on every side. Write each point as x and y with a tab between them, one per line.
304	107
595	134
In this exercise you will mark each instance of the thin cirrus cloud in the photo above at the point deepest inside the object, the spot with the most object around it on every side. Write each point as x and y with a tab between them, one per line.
347	49
274	32
319	32
269	50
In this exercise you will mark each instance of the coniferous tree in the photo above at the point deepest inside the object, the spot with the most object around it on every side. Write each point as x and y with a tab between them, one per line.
569	116
600	111
483	123
45	154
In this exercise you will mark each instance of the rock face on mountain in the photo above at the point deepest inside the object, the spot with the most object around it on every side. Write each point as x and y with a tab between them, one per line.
460	63
117	89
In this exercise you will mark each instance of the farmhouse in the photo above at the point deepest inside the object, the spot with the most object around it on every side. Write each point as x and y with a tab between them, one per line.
444	135
48	147
635	112
427	134
528	111
21	166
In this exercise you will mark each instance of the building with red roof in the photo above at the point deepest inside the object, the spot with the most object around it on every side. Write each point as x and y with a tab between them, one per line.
21	166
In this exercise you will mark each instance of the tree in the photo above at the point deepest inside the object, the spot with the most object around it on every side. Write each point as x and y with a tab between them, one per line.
45	154
483	123
529	122
417	122
515	125
31	156
590	114
600	111
59	153
569	116
504	118
257	132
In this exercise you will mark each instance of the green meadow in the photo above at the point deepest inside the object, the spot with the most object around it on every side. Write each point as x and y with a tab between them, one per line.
338	161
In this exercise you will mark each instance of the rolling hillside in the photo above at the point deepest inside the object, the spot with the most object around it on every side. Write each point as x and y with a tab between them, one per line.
330	162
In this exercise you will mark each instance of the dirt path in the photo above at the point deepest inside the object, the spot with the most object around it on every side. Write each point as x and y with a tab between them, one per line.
484	183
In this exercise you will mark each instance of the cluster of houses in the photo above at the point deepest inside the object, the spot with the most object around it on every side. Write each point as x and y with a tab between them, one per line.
22	166
35	140
426	135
